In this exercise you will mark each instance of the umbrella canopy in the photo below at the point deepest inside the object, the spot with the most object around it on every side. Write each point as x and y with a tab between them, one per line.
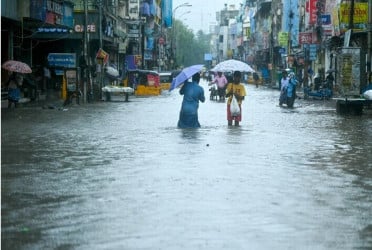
185	74
232	65
17	66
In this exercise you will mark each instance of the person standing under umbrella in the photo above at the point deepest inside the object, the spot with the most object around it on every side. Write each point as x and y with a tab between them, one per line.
14	92
235	89
192	94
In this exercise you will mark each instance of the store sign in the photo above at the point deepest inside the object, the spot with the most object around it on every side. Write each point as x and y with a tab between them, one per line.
66	60
305	37
283	39
52	30
80	28
311	51
62	60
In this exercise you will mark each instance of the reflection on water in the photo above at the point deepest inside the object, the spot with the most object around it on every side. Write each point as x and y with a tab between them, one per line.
122	176
190	134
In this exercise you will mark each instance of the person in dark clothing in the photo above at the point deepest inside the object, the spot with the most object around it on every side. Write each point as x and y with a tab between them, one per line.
256	78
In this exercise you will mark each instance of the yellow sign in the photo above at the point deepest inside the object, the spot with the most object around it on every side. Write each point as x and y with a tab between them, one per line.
360	18
101	54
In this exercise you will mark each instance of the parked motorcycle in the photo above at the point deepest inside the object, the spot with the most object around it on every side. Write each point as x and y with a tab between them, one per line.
288	93
322	90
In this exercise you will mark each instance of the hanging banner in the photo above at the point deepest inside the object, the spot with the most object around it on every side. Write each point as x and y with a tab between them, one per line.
103	55
167	13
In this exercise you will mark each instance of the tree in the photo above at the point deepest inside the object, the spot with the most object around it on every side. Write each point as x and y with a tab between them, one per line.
190	48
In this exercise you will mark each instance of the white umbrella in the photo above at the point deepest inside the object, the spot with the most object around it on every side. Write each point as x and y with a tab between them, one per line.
232	65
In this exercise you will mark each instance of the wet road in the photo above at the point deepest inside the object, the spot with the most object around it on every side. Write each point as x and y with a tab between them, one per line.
121	176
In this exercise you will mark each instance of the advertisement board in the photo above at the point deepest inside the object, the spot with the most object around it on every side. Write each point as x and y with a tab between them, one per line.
349	70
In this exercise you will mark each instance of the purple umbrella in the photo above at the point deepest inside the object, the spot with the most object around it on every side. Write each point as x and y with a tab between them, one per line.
185	74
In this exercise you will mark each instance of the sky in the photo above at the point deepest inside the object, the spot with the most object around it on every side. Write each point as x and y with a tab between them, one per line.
203	12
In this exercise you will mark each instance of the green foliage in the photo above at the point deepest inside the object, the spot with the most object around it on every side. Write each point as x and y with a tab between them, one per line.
191	47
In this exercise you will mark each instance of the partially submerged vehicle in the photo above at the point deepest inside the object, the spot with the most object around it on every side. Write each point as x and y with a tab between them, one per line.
165	80
144	82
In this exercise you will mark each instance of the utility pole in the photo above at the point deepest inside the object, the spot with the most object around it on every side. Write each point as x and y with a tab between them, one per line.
100	47
85	73
369	55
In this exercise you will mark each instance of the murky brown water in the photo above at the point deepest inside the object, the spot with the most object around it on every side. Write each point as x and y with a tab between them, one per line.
121	176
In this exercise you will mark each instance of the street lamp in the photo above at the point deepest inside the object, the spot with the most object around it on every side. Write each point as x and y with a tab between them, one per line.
179	6
174	27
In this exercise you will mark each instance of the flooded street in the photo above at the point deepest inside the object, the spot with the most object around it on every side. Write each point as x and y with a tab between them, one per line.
121	175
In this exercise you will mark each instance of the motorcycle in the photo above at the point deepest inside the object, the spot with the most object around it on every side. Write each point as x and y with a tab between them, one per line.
322	90
288	93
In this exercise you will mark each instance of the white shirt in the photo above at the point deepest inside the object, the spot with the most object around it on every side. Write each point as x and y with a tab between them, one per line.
284	83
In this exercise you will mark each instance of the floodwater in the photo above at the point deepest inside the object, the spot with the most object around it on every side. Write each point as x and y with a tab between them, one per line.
121	175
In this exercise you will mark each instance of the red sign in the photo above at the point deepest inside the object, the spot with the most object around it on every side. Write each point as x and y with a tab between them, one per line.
311	8
161	40
153	80
305	37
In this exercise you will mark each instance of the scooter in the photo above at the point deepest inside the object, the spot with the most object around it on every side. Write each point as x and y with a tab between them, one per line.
288	94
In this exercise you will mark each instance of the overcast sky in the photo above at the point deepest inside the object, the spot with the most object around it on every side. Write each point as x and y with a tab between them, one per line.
201	17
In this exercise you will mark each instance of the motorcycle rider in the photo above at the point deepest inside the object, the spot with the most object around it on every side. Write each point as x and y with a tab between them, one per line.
288	91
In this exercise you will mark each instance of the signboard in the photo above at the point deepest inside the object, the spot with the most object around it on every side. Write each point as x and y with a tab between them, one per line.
360	17
349	68
305	37
66	60
283	39
133	7
80	28
133	62
63	60
311	51
282	50
207	57
103	55
161	40
312	8
167	13
326	19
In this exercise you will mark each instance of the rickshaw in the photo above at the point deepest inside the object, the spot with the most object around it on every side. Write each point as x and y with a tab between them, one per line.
144	82
165	80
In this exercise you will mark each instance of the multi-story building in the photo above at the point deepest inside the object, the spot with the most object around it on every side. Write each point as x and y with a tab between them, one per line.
89	33
296	34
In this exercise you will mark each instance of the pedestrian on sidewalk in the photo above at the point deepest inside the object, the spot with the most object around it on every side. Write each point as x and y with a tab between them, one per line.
237	89
14	92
